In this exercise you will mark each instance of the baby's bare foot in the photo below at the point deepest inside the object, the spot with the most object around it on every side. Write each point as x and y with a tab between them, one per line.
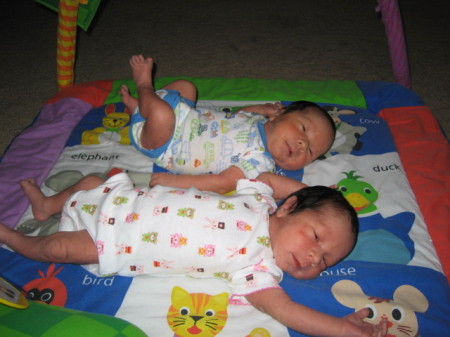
142	70
130	102
36	198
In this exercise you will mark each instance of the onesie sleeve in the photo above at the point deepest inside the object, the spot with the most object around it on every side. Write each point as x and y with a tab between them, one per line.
256	159
264	275
255	187
255	162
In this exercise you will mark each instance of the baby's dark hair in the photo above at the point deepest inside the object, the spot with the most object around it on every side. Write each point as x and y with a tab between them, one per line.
303	105
317	197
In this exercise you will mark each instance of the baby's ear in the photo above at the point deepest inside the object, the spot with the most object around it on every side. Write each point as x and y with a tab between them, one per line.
287	206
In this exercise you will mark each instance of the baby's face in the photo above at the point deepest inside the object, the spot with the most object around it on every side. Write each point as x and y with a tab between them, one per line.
308	242
296	139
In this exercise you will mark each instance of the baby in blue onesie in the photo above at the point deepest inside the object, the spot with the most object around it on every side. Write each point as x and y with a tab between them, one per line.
208	142
213	150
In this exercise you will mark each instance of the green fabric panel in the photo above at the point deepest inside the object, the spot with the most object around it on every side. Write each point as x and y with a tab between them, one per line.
246	89
114	96
132	331
33	321
5	331
86	12
78	325
50	321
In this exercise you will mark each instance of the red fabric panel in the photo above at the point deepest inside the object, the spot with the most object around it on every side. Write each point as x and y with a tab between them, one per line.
93	93
425	155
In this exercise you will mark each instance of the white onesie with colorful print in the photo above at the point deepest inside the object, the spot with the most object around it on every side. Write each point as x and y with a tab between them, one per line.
170	231
208	141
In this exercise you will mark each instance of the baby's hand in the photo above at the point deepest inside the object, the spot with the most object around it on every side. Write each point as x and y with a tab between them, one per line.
359	327
162	178
266	109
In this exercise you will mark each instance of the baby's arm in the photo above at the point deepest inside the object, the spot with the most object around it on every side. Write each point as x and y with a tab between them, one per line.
222	182
276	303
266	109
282	186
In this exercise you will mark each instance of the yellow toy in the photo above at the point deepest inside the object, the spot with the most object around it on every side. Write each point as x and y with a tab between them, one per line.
70	14
66	42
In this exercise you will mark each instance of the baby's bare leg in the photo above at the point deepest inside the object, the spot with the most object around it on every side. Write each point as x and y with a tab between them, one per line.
43	207
62	247
160	119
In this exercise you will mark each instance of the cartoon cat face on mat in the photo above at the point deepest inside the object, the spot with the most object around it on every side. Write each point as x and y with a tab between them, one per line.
197	314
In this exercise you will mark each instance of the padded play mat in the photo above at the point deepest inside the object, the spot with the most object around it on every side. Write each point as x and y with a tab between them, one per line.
389	152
